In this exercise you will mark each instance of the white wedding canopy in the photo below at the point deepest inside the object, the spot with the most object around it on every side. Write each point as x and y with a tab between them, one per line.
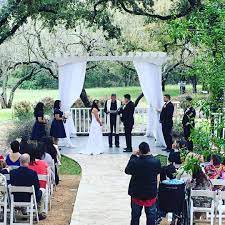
148	66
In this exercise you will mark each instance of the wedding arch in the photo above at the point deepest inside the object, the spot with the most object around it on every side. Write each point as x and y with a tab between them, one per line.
148	65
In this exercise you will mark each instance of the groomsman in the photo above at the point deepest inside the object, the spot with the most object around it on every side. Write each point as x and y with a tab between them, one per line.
166	119
188	122
128	121
113	119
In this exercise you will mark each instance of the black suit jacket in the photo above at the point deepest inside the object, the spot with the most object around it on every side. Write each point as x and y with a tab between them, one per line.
24	176
128	114
189	117
166	115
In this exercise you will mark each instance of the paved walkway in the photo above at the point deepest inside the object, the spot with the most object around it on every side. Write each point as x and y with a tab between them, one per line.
102	195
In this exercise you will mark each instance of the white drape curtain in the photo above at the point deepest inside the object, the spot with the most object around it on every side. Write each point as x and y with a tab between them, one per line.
71	82
150	80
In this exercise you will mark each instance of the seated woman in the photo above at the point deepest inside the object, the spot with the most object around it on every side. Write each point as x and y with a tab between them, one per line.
200	182
44	155
13	158
24	146
3	167
52	150
215	169
38	165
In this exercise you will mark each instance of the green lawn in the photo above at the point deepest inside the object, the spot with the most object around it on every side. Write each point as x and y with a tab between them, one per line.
69	167
36	95
5	114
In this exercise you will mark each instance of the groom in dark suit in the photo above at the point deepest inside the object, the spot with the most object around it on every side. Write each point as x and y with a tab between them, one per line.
166	119
128	121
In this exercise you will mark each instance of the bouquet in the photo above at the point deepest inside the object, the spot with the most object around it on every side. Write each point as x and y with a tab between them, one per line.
47	117
67	114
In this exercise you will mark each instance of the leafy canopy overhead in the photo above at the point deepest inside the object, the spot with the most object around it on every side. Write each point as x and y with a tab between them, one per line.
204	30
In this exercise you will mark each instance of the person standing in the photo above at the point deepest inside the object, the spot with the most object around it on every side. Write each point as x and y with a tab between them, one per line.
128	120
38	130
95	144
145	171
113	119
166	119
57	128
188	122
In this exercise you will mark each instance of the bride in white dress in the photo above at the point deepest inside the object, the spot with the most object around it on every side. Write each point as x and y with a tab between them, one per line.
95	143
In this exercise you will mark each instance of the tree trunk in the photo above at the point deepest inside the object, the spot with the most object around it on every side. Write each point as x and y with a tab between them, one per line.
163	85
84	98
138	99
2	101
3	96
18	83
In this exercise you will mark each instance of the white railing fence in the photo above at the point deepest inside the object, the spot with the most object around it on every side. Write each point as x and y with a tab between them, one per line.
82	119
218	120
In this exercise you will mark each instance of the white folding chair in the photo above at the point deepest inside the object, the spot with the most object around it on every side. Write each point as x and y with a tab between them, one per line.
31	206
46	197
3	203
218	182
13	167
7	177
221	206
211	195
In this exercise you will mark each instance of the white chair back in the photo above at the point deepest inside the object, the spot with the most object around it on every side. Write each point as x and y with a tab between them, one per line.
4	203
32	205
202	193
7	177
218	182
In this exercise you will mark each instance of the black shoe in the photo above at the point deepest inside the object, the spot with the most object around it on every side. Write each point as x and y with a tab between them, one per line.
110	146
42	216
128	150
117	146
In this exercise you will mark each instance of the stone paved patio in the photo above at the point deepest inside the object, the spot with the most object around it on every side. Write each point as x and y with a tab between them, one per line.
102	195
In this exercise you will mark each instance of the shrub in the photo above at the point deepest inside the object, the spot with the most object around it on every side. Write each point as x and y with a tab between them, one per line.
23	110
20	128
49	103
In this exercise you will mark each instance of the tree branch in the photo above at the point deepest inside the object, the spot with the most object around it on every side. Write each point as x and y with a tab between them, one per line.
18	83
35	63
138	11
138	99
13	30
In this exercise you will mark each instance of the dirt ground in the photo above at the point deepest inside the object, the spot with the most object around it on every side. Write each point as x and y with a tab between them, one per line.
63	201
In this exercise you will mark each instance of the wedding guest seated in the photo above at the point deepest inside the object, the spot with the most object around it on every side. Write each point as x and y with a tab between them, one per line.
200	182
3	167
24	146
215	170
52	150
174	156
38	165
23	176
47	158
13	158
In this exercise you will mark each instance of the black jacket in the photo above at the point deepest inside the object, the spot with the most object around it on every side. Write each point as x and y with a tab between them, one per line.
166	115
24	176
128	114
144	171
189	117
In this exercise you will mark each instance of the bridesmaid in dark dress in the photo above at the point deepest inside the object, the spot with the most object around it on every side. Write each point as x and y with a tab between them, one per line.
57	129
39	126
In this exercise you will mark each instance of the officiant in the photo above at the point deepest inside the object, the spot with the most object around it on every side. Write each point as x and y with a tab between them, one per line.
113	119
